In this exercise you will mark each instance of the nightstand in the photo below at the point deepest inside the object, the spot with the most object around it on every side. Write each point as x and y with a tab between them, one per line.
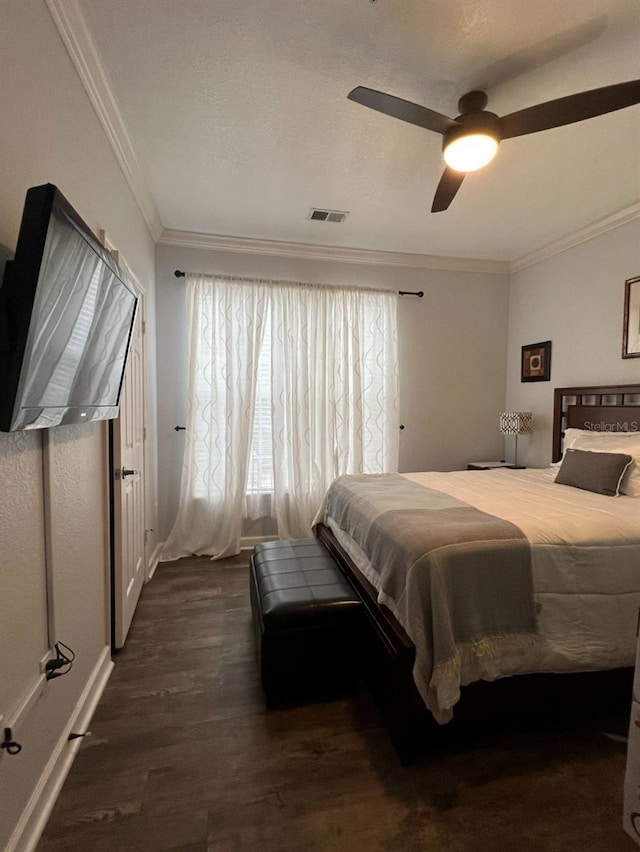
490	465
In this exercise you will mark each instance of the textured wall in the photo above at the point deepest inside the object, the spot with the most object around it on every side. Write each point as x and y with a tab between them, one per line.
49	133
24	638
574	299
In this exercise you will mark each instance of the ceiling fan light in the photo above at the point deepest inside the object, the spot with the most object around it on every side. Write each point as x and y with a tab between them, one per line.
470	152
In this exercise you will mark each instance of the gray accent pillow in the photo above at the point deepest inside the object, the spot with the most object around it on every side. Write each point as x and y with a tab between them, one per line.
599	472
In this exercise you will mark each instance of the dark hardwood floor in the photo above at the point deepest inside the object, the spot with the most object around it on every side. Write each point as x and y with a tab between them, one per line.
184	756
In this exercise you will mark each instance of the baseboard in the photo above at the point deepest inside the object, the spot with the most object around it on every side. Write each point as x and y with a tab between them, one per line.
34	817
249	542
153	561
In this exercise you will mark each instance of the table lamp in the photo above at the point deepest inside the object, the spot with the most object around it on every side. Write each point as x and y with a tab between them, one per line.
516	423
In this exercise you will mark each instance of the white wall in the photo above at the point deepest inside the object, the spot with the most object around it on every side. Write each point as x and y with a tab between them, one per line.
452	355
575	299
50	133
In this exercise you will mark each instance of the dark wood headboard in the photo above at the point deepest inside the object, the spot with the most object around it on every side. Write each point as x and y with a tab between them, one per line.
602	408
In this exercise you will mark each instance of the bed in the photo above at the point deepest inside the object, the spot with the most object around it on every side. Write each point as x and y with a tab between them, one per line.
498	592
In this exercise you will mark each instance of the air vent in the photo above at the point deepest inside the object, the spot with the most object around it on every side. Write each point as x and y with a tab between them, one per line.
327	215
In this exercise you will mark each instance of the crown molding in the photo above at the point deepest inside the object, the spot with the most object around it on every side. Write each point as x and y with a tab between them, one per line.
84	54
339	254
595	229
308	251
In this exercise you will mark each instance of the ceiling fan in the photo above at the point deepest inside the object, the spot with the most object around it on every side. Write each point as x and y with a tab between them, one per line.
471	140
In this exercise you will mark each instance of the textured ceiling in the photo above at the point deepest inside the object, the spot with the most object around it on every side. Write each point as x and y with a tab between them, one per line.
238	113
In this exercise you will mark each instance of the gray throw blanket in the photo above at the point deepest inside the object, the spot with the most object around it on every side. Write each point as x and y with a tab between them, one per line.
458	579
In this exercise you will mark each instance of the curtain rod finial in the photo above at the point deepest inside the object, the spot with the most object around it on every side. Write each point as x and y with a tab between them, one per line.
179	274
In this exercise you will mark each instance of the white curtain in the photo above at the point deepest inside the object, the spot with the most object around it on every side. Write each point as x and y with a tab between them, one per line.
226	328
290	385
335	394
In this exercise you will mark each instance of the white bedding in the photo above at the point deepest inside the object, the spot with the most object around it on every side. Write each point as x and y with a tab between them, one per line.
586	570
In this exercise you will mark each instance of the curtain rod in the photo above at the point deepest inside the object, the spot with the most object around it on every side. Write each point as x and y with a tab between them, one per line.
419	293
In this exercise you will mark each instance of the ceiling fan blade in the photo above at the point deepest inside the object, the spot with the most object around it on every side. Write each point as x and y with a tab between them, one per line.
570	109
404	110
445	193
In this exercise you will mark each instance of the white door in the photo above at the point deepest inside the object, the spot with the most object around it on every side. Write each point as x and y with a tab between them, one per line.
128	488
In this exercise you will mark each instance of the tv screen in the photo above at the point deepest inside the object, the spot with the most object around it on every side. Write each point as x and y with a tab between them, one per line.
66	315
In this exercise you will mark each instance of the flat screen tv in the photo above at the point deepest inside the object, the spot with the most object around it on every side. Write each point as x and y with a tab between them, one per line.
66	316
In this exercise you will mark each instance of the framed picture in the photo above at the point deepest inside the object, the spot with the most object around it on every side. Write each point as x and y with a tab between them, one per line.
631	333
536	362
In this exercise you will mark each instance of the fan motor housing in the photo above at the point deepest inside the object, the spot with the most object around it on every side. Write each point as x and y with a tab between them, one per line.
473	122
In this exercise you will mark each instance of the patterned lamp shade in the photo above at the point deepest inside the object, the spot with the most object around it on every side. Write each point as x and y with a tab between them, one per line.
516	422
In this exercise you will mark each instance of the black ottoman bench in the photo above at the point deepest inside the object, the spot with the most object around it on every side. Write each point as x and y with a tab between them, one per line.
308	620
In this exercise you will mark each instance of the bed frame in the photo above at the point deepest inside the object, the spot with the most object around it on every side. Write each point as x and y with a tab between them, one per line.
389	660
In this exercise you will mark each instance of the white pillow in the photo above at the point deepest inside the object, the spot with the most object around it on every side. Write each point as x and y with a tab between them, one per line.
613	442
571	435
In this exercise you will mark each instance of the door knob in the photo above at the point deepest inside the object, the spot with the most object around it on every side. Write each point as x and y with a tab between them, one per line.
126	472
